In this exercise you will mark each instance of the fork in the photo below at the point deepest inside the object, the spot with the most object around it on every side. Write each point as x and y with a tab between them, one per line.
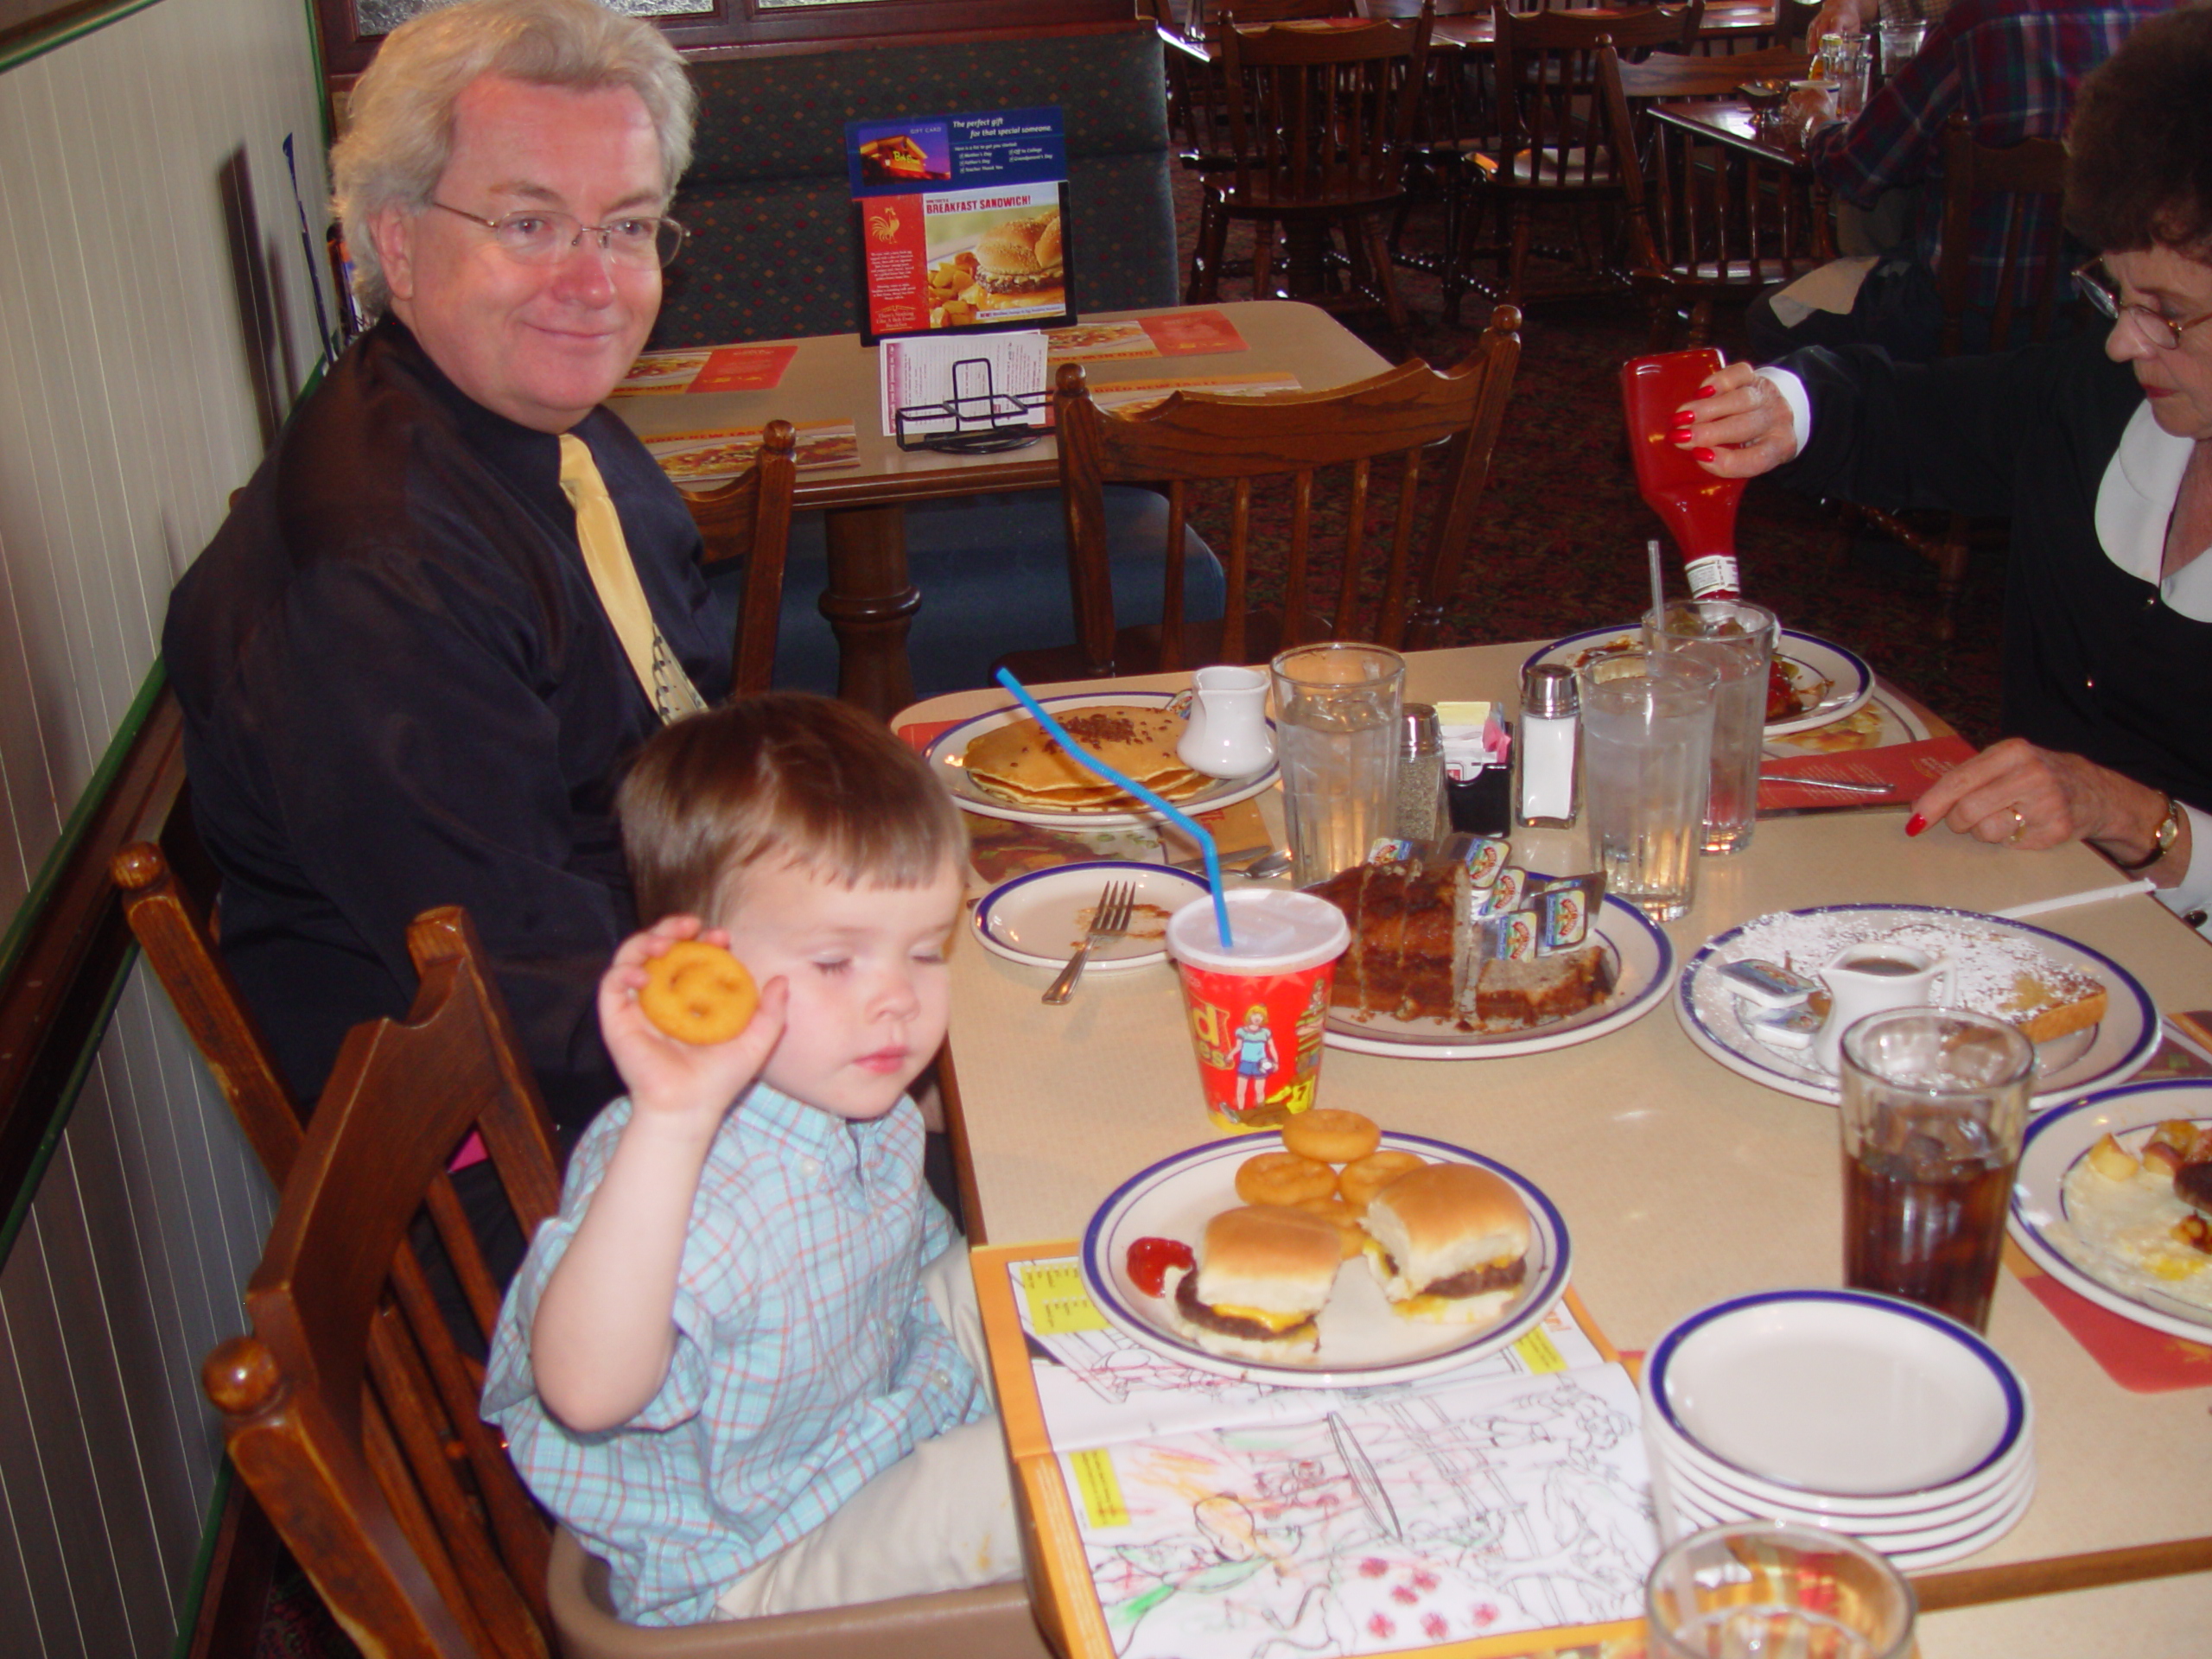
1110	920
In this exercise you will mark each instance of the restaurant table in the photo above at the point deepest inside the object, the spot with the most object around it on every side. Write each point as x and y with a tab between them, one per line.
1682	1182
1674	76
869	600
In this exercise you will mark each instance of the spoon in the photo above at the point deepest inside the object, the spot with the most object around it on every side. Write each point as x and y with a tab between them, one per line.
1271	864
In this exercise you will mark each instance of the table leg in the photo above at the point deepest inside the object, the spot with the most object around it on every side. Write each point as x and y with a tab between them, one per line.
870	604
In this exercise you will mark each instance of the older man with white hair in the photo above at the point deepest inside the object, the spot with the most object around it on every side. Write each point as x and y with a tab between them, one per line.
458	594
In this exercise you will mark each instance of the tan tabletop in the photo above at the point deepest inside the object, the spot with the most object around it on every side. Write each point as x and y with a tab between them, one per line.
1682	1182
870	601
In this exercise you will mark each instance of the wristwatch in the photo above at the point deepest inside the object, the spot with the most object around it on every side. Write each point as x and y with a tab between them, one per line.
2162	839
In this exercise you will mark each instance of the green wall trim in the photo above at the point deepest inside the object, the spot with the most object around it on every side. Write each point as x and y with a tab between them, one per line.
88	802
73	24
203	1562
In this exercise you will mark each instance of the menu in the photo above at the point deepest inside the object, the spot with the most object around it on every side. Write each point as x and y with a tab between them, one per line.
1505	1507
721	368
961	222
724	452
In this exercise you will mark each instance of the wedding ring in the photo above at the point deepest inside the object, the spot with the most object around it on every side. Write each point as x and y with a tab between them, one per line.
2019	823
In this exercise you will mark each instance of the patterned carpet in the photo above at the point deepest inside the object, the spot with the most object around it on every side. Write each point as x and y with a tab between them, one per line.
1559	545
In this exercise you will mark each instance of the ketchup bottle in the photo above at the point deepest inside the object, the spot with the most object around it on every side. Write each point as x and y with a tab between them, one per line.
1698	508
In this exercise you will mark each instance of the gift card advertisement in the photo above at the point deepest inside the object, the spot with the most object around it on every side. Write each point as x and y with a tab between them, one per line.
961	221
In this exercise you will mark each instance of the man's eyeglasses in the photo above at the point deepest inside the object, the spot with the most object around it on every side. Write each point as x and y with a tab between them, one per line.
538	236
2096	286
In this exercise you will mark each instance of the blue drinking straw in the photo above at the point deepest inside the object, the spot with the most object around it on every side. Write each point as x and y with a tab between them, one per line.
1175	816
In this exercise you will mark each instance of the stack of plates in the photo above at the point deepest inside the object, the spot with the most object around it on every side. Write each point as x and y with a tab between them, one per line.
1837	1408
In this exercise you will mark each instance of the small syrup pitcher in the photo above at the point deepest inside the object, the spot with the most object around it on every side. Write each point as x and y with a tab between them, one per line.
1872	977
1227	735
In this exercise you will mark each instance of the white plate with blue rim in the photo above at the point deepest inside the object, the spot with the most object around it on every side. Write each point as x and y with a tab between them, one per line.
1643	961
2107	1054
1040	920
948	751
1790	1394
1362	1342
2045	1225
1830	681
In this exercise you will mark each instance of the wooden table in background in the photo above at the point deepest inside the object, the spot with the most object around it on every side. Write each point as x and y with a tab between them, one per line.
1682	1183
870	601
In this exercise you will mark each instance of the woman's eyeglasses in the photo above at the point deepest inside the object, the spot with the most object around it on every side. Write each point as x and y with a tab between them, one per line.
2096	285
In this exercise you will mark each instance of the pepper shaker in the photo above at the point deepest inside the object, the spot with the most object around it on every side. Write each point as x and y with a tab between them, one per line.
1545	794
1419	814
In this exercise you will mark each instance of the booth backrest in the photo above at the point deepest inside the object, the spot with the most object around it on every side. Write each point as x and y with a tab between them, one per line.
768	203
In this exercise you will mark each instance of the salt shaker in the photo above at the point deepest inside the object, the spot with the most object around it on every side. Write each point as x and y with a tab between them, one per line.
1545	791
1419	814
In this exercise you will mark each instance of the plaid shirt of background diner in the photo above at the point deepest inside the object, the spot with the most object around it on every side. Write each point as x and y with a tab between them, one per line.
2014	66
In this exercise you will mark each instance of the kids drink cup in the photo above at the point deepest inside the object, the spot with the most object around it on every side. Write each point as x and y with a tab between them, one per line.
1257	1008
1698	508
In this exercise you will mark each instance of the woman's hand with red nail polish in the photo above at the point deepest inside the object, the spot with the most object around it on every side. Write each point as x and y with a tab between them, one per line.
1915	824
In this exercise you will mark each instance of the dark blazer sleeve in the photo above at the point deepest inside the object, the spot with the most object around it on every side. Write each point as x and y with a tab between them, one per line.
1948	434
411	744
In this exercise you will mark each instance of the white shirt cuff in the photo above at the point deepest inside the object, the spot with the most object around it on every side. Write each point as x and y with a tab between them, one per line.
2193	891
1793	393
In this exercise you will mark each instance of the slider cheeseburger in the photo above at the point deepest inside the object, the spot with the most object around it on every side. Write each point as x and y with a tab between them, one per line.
1263	1273
1449	1243
1018	265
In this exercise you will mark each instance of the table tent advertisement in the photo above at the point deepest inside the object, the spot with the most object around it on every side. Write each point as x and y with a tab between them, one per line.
961	221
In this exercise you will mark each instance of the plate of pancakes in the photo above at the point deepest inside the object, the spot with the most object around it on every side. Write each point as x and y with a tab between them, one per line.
1003	765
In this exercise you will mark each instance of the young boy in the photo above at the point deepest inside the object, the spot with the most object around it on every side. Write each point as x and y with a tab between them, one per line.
729	1362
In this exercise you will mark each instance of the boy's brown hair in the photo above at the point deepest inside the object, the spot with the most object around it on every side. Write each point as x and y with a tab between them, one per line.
783	774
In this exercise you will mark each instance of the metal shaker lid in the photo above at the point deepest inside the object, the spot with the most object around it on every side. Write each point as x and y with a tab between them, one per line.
1548	692
1422	734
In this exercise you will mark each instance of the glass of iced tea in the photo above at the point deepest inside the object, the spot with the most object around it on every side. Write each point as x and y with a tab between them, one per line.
1935	1103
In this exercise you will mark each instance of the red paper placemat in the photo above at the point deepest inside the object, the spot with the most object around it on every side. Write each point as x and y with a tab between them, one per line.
2139	1359
1907	768
922	734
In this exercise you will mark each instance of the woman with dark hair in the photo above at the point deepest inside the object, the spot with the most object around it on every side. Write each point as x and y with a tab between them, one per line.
2099	448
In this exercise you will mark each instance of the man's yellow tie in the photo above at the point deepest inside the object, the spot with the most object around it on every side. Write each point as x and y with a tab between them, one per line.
607	555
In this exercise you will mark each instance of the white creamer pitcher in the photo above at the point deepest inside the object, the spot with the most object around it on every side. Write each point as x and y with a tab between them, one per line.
1228	736
1870	977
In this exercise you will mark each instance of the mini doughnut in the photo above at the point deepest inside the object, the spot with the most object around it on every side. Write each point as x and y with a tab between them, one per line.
1332	1137
1363	1181
698	993
1284	1177
1351	1239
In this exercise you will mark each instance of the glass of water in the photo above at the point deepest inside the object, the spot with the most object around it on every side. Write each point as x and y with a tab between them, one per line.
1338	714
1753	1589
1736	640
1646	746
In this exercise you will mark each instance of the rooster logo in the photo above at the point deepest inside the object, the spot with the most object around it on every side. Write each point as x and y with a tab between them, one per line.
884	227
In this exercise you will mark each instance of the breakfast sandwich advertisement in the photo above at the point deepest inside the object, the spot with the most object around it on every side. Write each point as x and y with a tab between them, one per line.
961	221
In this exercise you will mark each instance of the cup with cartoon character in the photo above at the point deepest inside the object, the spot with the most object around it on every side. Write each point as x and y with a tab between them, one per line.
1256	1006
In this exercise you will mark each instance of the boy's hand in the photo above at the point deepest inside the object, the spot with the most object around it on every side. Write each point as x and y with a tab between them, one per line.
667	1078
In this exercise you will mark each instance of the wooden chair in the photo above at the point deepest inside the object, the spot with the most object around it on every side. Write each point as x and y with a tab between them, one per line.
351	1414
1724	226
1193	438
1567	137
1319	121
750	518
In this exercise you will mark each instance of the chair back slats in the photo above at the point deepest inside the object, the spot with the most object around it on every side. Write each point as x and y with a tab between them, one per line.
1323	115
750	518
1284	439
2036	168
351	1410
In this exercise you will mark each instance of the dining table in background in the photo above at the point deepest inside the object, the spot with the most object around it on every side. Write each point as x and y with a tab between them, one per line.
869	600
1682	1183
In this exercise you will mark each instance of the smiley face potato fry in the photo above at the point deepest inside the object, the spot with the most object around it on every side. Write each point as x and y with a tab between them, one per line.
698	993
